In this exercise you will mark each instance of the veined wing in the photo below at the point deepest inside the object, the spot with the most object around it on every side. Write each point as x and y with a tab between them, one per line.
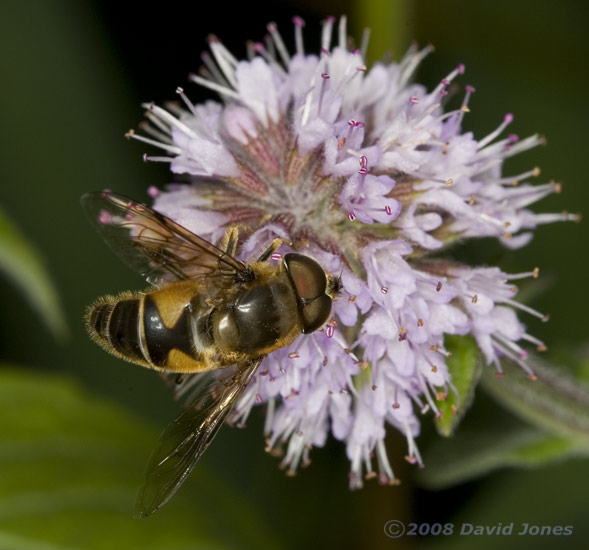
150	243
184	441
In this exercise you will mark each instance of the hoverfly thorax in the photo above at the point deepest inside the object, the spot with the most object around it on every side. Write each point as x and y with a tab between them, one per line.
263	313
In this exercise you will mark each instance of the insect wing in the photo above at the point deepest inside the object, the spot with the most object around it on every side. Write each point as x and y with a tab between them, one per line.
152	244
184	441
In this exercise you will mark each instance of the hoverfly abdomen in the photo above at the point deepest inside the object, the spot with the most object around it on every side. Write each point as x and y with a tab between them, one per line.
160	338
161	329
115	323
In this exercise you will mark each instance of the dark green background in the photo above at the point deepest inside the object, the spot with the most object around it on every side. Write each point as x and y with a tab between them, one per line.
73	75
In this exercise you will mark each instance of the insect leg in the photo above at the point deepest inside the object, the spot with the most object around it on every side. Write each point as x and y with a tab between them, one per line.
229	242
271	248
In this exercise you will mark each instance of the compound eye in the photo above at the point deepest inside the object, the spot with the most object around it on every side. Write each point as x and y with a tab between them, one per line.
307	275
316	313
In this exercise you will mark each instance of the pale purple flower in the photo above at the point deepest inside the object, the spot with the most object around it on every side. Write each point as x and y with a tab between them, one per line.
366	172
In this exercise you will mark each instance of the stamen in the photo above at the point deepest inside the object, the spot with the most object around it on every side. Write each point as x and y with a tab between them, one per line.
273	30
146	127
170	119
384	466
431	179
213	69
521	197
445	82
174	108
363	166
510	344
223	90
556	217
171	149
350	74
515	180
229	57
268	55
364	42
326	33
324	79
445	116
426	392
223	58
412	449
527	309
410	63
344	142
492	221
524	145
187	102
270	408
343	37
507	119
158	123
524	275
150	158
540	346
299	24
440	350
368	464
196	113
516	358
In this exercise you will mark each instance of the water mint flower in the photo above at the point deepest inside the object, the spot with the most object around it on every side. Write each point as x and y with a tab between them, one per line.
368	173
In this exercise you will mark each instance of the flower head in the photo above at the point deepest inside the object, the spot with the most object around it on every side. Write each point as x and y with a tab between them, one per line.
368	173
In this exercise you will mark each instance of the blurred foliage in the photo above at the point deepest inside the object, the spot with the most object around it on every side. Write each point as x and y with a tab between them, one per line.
71	467
23	265
74	75
553	400
550	423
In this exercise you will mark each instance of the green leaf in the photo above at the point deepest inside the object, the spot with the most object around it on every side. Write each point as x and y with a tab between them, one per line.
72	464
15	542
474	453
554	402
555	405
23	264
464	367
391	25
582	371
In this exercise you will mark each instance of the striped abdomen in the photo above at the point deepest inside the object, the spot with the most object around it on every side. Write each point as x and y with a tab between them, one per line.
161	329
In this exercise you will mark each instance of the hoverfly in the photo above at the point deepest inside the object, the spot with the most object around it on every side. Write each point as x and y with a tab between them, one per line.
205	310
